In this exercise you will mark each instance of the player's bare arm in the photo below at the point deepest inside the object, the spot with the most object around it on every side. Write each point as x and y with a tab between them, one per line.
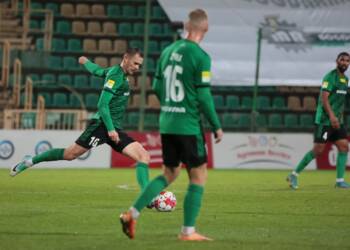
333	119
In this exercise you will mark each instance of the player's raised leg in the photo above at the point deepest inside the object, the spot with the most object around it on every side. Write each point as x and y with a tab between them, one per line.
55	154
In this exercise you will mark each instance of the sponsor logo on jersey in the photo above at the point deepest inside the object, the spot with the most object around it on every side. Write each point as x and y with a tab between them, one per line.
343	92
110	83
324	85
126	93
206	75
343	80
173	109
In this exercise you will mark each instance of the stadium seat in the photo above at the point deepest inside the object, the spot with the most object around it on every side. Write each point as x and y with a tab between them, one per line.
63	27
275	121
58	45
60	100
125	29
135	101
74	45
113	10
67	10
48	78
139	82
167	30
155	29
81	81
261	121
64	79
219	101
263	102
78	27
294	103
36	6
306	121
129	11
138	29
136	44
74	101
232	102
230	120
39	44
82	10
70	63
96	82
151	120
28	120
153	46
291	120
34	24
89	45
151	66
91	101
54	62
278	102
120	46
133	119
47	98
246	102
309	103
94	28
157	12
109	28
244	120
98	10
115	61
34	77
102	61
105	45
141	11
153	102
53	7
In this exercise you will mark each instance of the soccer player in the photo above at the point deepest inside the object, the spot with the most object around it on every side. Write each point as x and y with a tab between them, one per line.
329	122
182	84
106	125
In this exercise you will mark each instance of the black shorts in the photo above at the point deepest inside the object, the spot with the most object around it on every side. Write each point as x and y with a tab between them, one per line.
96	134
324	133
188	149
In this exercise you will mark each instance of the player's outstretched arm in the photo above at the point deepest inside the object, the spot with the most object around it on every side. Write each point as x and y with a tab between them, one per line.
93	68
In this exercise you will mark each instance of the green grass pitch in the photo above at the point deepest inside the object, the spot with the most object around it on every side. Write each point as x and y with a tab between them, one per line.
78	209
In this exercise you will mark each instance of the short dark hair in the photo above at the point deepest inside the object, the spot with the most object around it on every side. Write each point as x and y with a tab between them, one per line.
133	51
343	54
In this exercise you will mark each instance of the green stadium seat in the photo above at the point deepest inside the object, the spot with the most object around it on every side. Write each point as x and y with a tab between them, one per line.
64	79
232	102
219	101
34	77
136	44
244	120
74	101
141	11
151	66
96	82
230	120
246	102
167	30
113	10
28	120
125	29
133	119
74	45
306	121
60	100
164	44
129	11
81	81
291	120
39	44
261	121
34	24
47	98
263	102
58	45
275	121
53	7
153	46
54	62
63	27
278	102
139	29
70	63
91	101
48	78
36	6
151	121
155	29
157	12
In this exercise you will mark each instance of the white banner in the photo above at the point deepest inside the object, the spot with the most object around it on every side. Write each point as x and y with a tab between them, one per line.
14	144
262	151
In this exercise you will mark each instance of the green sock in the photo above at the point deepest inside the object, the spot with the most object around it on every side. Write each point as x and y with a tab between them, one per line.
54	154
192	204
151	191
309	156
142	174
342	158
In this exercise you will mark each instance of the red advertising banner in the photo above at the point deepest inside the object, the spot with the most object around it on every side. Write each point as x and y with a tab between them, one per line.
328	159
152	143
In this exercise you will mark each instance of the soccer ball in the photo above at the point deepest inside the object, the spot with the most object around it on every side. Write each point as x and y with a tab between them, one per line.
165	201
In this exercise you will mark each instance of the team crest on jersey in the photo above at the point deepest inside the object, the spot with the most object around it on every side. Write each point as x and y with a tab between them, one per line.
206	75
324	85
110	83
343	80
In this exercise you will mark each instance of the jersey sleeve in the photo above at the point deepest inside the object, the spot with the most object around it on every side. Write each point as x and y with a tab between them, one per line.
327	83
204	71
95	69
112	82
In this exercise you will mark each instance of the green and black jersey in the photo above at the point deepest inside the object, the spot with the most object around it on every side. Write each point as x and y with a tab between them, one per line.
182	72
337	86
114	97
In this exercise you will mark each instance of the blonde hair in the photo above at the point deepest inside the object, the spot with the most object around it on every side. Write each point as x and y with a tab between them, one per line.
197	20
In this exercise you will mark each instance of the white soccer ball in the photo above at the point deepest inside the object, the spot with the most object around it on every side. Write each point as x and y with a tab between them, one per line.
165	201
